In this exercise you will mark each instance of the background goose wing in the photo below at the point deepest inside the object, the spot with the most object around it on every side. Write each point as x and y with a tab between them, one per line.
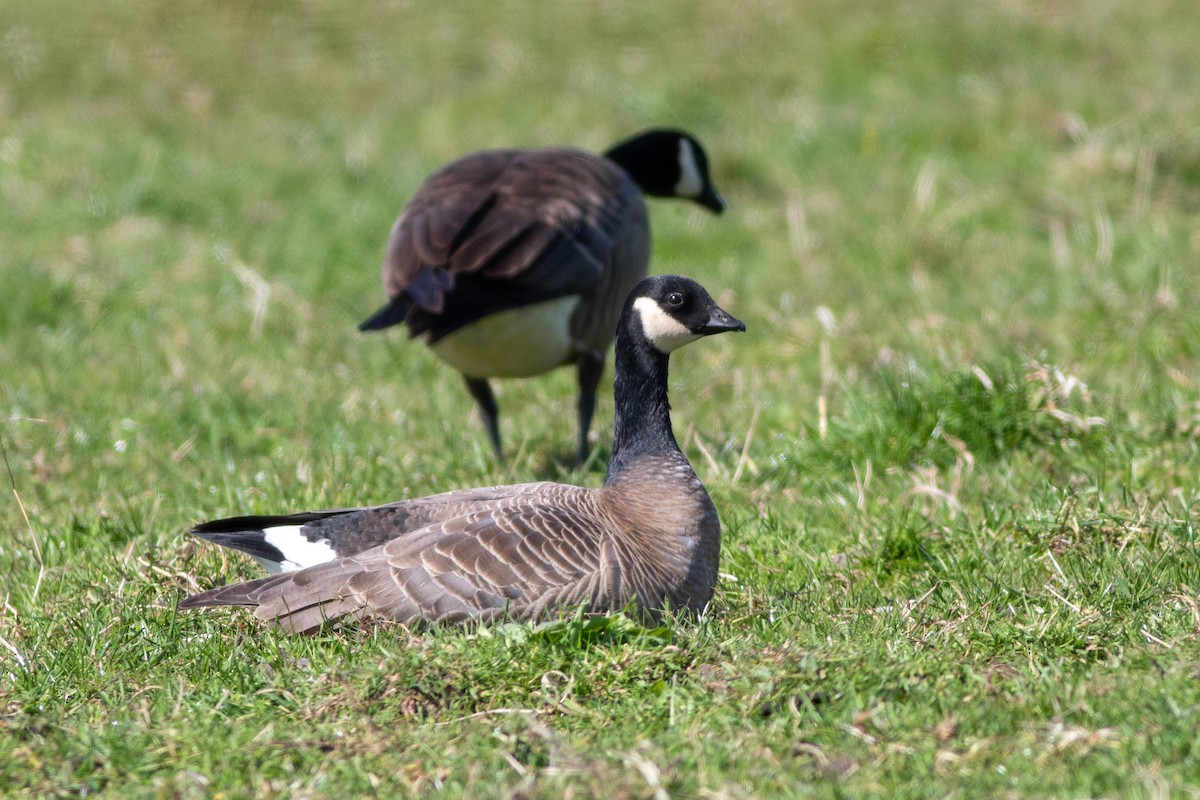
503	228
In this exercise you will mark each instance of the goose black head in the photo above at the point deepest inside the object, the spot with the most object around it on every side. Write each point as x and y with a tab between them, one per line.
673	310
668	163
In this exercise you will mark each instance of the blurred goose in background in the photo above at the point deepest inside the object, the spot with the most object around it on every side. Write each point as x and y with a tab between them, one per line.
513	262
649	534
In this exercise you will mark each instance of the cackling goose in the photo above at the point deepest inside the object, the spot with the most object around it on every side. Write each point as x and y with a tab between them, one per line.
514	262
650	533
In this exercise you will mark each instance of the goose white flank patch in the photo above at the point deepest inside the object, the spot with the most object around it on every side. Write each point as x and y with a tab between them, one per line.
509	263
297	550
278	544
650	535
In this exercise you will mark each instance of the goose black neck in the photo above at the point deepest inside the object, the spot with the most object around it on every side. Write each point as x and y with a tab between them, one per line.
643	416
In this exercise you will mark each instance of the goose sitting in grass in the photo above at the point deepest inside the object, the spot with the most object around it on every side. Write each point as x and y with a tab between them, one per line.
513	262
649	535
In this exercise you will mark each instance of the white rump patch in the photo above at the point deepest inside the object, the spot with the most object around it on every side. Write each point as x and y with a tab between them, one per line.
298	551
690	183
664	331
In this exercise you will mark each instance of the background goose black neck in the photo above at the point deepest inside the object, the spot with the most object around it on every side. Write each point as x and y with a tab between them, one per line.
651	159
643	415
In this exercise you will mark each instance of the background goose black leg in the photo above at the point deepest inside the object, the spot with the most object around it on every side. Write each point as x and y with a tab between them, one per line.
482	392
591	369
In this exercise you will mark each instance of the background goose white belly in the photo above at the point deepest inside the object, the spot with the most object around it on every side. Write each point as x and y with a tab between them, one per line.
517	343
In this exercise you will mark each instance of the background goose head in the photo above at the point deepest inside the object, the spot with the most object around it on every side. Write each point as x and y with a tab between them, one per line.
666	162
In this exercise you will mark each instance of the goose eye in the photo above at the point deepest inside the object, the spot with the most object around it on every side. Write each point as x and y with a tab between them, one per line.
675	299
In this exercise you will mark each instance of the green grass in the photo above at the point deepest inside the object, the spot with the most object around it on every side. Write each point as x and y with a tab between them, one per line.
950	567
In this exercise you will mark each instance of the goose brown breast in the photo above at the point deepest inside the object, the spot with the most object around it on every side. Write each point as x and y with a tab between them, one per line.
671	536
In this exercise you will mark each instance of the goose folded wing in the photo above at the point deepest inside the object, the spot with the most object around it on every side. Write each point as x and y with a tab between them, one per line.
348	531
520	560
354	531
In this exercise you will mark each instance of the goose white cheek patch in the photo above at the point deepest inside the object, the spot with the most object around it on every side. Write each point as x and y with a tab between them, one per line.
298	551
664	331
690	183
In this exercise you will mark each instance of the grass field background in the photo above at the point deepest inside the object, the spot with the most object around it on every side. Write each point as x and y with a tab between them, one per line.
955	455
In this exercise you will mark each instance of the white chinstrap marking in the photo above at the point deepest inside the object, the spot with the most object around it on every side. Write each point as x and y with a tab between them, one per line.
298	551
664	331
690	183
